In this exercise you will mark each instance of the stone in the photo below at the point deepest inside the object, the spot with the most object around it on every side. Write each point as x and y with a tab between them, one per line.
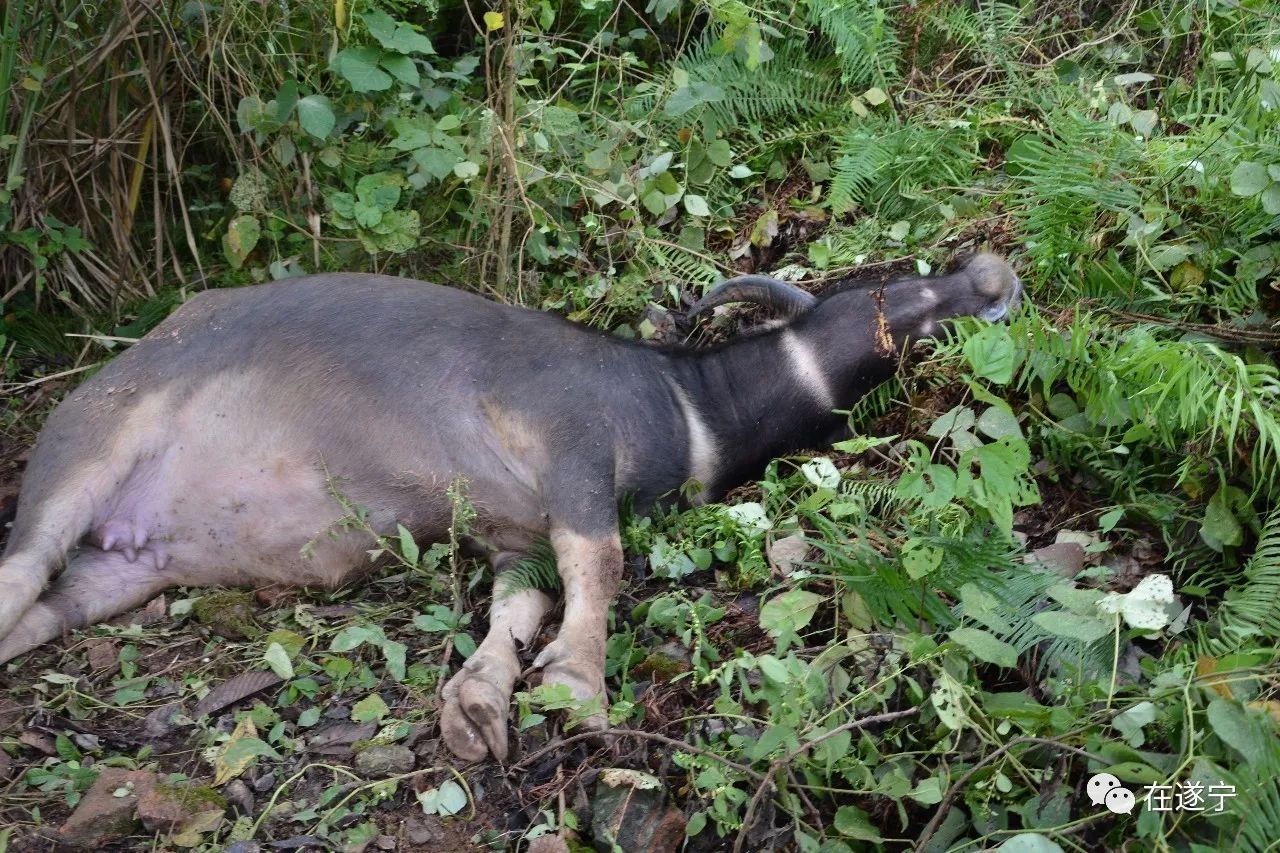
422	832
548	844
788	552
1086	539
1062	558
239	797
172	808
386	760
103	655
630	811
159	724
108	810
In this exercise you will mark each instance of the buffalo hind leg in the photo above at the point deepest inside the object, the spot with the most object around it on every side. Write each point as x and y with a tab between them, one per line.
590	568
95	586
477	700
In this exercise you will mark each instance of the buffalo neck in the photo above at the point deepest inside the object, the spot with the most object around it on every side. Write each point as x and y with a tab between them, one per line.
780	391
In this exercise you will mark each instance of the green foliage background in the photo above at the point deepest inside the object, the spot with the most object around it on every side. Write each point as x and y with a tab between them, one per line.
610	161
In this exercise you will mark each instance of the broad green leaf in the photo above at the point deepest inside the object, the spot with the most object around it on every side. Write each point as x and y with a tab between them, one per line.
1271	199
408	547
1030	842
958	418
1239	730
494	21
1130	722
1220	528
466	169
464	644
1133	78
720	153
1144	122
986	647
655	201
1073	626
369	709
1249	178
446	800
359	67
239	752
396	35
436	162
696	205
948	700
692	95
920	559
402	68
789	612
997	422
349	638
992	354
278	659
242	235
315	115
397	231
853	822
394	653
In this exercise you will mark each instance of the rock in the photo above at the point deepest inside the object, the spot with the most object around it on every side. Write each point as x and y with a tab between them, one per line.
228	613
630	811
548	844
103	655
38	740
664	663
337	738
159	724
422	832
1085	539
385	760
243	847
239	797
1063	558
108	810
172	808
788	552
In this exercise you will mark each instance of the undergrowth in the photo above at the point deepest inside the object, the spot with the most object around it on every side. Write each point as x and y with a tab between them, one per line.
1051	548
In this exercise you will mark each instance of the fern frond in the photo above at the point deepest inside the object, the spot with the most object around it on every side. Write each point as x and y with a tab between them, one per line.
863	39
1250	610
535	570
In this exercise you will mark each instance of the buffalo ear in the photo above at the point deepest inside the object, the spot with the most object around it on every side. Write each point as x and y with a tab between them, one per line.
778	296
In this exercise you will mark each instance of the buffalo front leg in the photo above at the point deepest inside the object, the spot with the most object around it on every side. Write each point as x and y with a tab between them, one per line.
477	699
590	568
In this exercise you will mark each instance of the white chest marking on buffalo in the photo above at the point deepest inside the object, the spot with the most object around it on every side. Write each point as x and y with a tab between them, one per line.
807	370
702	442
